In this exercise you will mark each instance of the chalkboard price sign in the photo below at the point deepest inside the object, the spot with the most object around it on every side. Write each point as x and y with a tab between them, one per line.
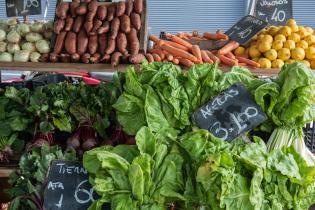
230	114
23	7
68	187
274	12
245	29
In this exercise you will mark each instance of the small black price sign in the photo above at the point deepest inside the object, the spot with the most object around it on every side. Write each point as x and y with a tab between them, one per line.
230	114
16	8
245	29
68	187
274	12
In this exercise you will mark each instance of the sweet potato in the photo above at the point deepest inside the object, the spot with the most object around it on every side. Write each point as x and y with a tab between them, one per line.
44	57
95	58
85	58
96	25
105	58
60	41
133	42
93	42
129	7
59	25
81	10
62	9
120	8
65	58
149	57
137	58
102	43
69	23
111	45
111	10
92	8
53	57
114	28
70	42
102	12
73	6
138	6
75	58
87	1
125	24
83	42
104	28
122	43
78	23
88	26
124	59
136	21
115	58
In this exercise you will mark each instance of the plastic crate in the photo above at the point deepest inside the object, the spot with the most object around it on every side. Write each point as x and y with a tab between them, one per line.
309	138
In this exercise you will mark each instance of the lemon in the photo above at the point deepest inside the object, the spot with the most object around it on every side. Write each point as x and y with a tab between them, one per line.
294	37
264	63
254	52
310	39
273	30
310	53
255	59
284	54
291	22
253	42
290	61
267	38
313	64
280	37
255	37
277	63
302	31
302	44
289	44
239	51
264	46
260	37
298	53
294	28
306	63
277	45
271	54
309	30
285	30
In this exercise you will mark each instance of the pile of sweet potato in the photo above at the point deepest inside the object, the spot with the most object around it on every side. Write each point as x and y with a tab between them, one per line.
91	32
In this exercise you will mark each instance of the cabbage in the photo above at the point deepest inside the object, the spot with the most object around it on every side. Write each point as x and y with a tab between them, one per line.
23	29
2	35
5	57
37	27
49	26
3	46
12	22
42	46
21	56
35	56
29	46
13	37
12	48
33	37
4	26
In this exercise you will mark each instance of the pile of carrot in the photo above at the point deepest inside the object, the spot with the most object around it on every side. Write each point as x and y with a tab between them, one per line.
178	50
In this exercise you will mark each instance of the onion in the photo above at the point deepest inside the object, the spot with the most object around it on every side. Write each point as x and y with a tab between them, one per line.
42	46
21	56
33	37
29	46
12	48
35	56
2	35
3	46
13	37
6	57
37	27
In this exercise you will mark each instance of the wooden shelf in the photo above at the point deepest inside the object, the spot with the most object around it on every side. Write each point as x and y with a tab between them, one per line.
79	67
6	171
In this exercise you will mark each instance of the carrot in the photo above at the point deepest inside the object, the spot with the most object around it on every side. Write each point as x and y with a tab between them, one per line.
242	64
179	46
149	57
248	61
156	57
205	57
178	52
215	36
175	61
230	55
196	52
158	52
227	61
154	39
170	57
212	56
232	45
185	62
181	42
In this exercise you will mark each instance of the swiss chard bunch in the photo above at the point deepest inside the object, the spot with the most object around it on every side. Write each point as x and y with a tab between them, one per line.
28	183
146	176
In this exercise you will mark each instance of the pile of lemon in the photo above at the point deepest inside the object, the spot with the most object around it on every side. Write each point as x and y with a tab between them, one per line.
275	46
